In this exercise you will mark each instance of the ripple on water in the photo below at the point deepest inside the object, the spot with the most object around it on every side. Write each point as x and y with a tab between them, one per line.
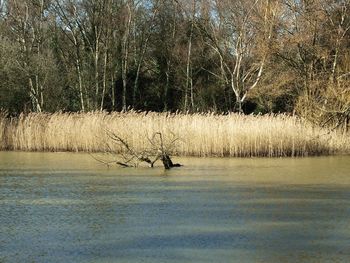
213	210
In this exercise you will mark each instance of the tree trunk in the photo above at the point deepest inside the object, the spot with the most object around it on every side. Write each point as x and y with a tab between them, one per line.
104	84
113	91
188	69
96	58
166	88
188	64
34	96
125	56
136	83
80	83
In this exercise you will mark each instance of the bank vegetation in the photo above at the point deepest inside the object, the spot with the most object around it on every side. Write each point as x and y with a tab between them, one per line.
200	134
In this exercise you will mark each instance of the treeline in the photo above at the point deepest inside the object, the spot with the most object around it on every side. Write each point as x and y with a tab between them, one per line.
167	55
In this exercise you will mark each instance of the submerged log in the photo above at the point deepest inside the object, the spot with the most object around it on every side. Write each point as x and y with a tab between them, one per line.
168	163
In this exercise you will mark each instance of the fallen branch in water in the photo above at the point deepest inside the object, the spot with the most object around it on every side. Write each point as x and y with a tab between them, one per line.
132	158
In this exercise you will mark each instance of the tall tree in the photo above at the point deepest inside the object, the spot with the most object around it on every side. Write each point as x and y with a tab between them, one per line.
240	35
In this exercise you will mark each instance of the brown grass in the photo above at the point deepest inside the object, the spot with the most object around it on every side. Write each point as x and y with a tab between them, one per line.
199	134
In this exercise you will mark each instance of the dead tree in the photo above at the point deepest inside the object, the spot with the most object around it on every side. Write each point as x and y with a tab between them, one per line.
157	150
163	151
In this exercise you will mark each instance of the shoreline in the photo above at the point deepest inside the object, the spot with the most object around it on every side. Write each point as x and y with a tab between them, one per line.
338	154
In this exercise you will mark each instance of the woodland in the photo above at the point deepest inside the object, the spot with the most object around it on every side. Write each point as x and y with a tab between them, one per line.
247	56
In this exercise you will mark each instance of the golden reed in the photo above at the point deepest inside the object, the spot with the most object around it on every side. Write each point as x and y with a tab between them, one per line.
199	134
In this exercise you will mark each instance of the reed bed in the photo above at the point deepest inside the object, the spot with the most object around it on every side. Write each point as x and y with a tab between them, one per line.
3	121
201	135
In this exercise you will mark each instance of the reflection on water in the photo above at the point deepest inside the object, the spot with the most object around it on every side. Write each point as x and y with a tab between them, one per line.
68	208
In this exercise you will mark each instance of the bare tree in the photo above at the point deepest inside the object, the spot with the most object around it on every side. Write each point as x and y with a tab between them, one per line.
189	80
26	20
125	50
240	36
68	17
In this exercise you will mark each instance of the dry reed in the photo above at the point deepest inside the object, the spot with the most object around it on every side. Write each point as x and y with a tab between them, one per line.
3	121
199	134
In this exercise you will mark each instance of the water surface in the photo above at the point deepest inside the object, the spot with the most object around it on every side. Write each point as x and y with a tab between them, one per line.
64	207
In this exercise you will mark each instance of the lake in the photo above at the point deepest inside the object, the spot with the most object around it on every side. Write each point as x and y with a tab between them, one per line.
66	207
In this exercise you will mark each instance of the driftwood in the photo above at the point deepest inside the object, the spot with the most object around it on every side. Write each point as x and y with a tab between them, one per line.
131	158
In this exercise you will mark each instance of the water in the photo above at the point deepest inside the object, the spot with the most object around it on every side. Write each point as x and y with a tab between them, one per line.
60	207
